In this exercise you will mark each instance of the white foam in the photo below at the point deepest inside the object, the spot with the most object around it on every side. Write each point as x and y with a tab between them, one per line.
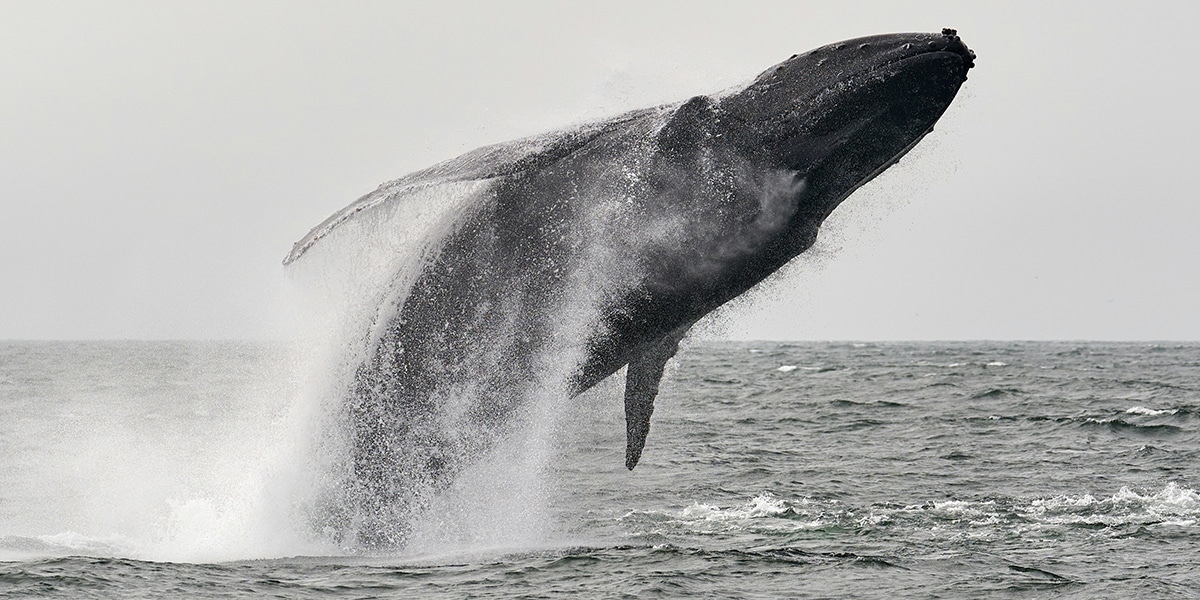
964	509
1174	505
761	506
1150	412
763	512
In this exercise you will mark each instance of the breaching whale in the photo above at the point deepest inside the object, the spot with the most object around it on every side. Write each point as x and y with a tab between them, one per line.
576	253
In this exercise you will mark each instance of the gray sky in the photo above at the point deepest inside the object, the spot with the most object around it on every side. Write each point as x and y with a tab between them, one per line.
158	159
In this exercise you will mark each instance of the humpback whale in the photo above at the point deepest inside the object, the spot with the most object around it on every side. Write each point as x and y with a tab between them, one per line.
574	254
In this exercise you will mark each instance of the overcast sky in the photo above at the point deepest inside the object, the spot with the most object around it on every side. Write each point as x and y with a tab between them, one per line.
158	159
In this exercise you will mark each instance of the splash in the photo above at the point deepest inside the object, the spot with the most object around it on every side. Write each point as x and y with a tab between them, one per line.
502	301
454	456
154	450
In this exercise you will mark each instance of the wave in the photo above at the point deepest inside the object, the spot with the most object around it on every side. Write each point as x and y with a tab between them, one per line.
781	540
1119	425
605	570
1150	412
1172	505
770	516
1137	421
763	514
67	543
824	369
996	393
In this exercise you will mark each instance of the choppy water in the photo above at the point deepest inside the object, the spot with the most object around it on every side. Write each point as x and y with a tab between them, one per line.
174	469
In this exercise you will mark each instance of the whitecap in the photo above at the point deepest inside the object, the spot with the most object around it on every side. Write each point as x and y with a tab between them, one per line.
963	509
764	505
1174	505
1150	412
763	513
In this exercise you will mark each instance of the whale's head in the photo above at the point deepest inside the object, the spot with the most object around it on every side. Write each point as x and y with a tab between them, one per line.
838	115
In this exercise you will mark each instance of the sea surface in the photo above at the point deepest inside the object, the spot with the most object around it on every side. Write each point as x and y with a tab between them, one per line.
772	470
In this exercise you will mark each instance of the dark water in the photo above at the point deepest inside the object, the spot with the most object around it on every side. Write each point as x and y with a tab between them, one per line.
927	470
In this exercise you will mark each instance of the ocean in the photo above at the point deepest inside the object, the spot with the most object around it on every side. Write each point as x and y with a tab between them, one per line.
773	470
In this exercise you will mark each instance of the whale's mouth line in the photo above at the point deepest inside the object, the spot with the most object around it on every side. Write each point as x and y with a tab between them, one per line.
953	46
895	67
888	71
830	106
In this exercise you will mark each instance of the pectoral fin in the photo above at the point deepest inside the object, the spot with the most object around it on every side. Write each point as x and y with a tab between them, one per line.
641	386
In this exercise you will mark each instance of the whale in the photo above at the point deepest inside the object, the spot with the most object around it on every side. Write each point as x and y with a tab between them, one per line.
571	255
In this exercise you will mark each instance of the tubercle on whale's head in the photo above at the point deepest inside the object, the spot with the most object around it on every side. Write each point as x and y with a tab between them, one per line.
840	114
